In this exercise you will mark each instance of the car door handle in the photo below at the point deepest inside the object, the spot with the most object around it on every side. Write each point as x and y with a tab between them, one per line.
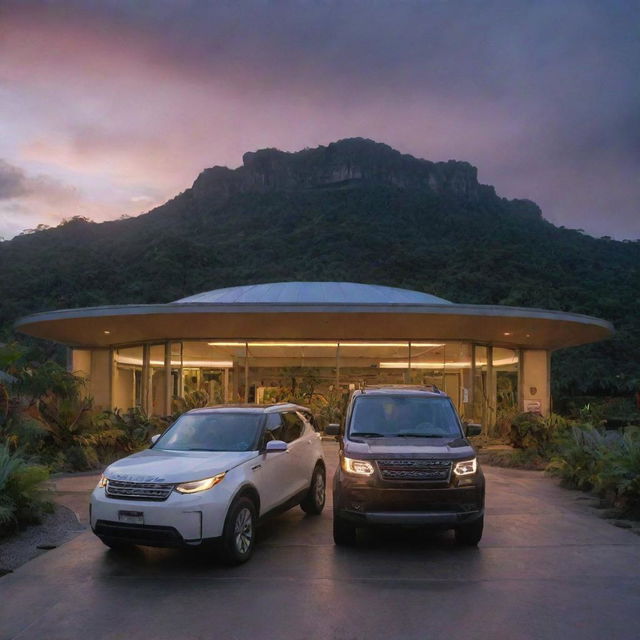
256	467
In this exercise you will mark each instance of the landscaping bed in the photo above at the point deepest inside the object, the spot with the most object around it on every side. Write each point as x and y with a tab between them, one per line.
55	528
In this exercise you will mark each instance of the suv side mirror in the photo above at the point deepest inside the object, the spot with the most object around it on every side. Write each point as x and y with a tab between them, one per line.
472	429
276	445
154	439
332	429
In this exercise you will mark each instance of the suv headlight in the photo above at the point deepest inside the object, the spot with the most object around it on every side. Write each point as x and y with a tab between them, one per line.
102	482
199	485
359	467
466	467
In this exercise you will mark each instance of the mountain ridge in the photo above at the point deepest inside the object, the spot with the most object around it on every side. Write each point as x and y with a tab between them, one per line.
354	211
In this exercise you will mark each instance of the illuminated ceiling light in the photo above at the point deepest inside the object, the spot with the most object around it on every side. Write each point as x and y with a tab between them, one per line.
213	364
507	333
106	333
446	365
325	344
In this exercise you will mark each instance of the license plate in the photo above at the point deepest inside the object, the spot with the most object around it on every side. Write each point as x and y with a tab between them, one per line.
131	517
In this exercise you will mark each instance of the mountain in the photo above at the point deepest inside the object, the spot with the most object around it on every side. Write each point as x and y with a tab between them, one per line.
354	210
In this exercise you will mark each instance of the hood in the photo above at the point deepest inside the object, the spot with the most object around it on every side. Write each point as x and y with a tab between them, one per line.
154	465
409	448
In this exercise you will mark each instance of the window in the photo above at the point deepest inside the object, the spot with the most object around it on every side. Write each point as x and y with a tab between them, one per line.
215	431
273	428
293	426
309	417
389	415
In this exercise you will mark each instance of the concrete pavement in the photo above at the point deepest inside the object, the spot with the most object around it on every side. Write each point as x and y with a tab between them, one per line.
546	568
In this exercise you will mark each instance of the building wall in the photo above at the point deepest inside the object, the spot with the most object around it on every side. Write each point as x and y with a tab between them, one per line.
123	388
95	366
535	384
81	362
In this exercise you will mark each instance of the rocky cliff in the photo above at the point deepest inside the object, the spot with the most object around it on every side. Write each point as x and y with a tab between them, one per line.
347	163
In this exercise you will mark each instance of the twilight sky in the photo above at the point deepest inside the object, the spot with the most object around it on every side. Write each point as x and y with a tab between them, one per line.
110	108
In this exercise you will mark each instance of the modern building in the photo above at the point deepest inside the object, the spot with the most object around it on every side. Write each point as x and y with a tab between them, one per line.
314	341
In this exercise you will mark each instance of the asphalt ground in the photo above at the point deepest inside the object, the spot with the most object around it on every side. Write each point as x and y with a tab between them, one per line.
546	568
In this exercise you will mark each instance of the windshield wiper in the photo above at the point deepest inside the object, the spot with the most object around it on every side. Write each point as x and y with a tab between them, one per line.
368	434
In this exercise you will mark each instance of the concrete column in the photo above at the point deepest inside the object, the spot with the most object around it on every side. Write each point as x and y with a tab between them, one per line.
100	378
145	387
235	383
520	398
113	378
492	391
181	372
536	388
472	392
246	372
168	391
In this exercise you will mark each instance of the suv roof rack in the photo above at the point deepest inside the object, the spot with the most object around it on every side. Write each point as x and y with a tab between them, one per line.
415	387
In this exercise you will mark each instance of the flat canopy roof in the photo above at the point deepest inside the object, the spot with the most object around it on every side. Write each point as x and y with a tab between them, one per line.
314	311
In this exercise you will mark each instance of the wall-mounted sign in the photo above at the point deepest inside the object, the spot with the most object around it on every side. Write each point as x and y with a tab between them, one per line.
533	406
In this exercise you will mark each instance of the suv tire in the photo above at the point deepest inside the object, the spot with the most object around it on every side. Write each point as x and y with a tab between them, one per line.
344	533
313	502
470	534
239	534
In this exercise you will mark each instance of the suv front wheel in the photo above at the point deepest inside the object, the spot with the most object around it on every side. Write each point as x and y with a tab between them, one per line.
313	502
238	538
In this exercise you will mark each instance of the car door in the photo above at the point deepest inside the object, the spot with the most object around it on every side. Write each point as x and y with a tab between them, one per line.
299	448
311	436
275	475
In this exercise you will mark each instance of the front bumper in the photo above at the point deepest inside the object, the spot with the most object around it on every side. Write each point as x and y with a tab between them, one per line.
366	501
412	518
179	520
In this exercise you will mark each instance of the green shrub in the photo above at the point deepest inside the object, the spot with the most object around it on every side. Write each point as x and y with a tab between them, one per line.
528	431
22	497
81	458
607	462
532	431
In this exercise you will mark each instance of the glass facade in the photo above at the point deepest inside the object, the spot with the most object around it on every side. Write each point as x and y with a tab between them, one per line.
174	376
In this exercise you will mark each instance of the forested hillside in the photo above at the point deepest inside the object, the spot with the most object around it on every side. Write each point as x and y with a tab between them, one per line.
356	211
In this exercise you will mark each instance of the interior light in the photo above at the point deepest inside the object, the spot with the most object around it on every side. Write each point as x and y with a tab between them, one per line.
106	333
324	344
214	364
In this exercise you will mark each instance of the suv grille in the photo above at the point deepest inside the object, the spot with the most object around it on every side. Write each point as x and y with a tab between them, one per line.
138	490
424	470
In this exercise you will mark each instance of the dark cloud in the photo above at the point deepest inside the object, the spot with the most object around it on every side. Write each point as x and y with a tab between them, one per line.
541	95
15	183
12	181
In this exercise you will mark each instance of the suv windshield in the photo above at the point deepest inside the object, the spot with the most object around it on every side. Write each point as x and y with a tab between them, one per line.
399	416
223	431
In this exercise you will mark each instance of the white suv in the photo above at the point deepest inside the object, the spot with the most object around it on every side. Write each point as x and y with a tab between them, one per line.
210	477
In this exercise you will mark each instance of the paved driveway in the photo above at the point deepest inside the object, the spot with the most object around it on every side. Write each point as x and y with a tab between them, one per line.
546	568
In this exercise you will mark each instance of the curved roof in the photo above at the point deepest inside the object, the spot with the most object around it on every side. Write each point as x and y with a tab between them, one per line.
314	311
314	293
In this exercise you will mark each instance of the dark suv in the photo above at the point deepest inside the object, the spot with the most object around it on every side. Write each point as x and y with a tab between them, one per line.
405	460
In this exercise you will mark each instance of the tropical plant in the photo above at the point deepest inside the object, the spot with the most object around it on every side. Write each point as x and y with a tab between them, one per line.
23	499
607	462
